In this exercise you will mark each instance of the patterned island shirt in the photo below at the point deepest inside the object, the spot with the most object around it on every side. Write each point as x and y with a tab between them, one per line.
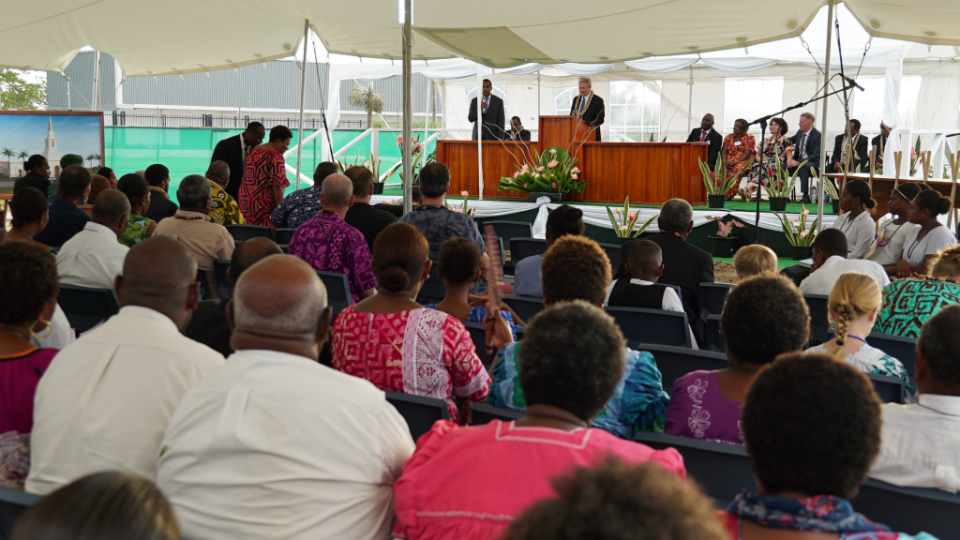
224	209
327	243
297	208
264	170
438	224
908	303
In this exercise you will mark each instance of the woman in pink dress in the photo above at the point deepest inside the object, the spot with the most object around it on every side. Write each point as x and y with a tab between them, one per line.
738	148
470	482
265	178
28	298
397	344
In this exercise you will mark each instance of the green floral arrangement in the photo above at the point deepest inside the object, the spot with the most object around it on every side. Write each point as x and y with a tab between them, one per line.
781	184
720	187
624	221
553	171
797	232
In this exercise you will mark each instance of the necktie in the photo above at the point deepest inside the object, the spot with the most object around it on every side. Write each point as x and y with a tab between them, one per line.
583	104
803	146
703	135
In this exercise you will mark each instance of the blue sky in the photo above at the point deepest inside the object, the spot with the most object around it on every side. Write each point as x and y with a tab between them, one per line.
75	134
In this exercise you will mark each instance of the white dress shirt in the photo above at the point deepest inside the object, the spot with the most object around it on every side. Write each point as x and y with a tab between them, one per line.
920	444
106	399
824	278
890	242
938	238
277	446
671	302
92	258
860	231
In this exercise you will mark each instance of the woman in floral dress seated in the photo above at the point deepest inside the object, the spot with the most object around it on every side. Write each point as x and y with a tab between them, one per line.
706	404
397	344
854	303
813	428
738	148
138	193
777	146
908	303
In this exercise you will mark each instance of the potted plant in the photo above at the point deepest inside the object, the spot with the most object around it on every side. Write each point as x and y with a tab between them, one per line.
624	221
373	165
554	173
798	234
831	190
780	185
723	245
717	189
462	208
417	157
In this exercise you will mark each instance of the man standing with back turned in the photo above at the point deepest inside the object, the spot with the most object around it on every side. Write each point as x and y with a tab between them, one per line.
234	151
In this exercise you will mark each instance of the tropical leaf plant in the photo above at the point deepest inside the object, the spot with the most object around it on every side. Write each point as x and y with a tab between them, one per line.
624	221
796	231
553	171
721	187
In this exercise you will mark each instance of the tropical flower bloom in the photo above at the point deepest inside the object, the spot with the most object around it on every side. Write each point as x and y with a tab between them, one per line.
464	193
805	212
516	174
419	147
553	150
575	170
399	140
632	215
553	164
458	210
618	210
536	175
368	164
525	168
553	185
541	168
575	176
803	234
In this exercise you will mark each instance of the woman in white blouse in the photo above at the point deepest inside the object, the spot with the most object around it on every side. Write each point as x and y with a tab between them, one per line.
923	243
857	223
894	231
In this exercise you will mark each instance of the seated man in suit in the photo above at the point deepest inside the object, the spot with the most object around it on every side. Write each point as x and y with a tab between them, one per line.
588	106
860	159
492	112
684	264
706	133
880	141
643	268
807	144
517	133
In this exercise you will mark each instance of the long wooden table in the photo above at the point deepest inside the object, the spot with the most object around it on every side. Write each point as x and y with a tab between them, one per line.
650	173
883	187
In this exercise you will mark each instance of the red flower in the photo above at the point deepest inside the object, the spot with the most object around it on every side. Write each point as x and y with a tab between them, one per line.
712	177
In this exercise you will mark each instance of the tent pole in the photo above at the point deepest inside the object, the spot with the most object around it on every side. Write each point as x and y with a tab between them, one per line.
823	121
480	131
690	104
407	131
303	85
538	105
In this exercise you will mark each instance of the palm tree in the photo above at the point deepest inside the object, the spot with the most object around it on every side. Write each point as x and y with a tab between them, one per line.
22	156
93	157
362	96
8	153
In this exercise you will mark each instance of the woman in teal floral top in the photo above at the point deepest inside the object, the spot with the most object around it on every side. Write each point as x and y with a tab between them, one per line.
141	227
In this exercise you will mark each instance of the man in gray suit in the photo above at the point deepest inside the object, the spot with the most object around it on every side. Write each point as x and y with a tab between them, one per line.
494	117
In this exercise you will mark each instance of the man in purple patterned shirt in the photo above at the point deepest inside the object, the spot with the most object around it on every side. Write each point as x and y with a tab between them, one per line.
327	243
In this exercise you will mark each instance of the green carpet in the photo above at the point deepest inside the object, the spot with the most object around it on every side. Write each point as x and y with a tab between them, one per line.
782	262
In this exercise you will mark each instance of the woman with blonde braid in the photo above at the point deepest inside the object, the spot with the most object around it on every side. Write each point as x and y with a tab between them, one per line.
854	303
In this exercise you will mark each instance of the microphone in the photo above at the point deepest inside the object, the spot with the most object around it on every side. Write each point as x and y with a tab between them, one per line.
851	81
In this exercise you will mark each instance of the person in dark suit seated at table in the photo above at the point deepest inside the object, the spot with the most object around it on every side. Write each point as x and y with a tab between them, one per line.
209	322
361	216
588	106
807	144
860	160
234	151
66	218
706	133
684	264
880	142
494	117
517	133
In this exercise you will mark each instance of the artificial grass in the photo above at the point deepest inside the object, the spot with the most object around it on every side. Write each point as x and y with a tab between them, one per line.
782	262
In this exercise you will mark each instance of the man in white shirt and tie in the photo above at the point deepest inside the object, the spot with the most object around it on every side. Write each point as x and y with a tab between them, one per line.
106	399
830	261
492	112
920	440
274	445
94	258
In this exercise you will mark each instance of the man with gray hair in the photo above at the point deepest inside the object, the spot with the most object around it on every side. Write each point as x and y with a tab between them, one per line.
684	264
224	209
327	243
274	445
191	225
93	257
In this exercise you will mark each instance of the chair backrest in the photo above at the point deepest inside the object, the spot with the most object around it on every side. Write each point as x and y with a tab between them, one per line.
507	230
715	341
712	298
338	290
524	306
204	285
890	389
479	337
902	348
284	236
723	470
245	232
13	502
481	413
910	510
432	291
224	285
675	362
819	317
615	254
640	325
419	412
521	248
86	308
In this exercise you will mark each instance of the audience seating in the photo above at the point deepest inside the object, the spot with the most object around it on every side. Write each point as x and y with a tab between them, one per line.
283	236
819	318
432	291
419	412
675	362
525	307
507	230
902	348
86	308
481	413
285	248
338	291
479	337
890	389
715	341
910	510
224	285
722	470
614	253
242	233
712	297
655	326
13	502
521	248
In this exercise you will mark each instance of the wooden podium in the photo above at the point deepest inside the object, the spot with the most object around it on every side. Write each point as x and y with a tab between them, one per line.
568	132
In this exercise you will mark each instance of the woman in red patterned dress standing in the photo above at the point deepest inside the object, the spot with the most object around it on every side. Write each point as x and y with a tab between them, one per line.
265	178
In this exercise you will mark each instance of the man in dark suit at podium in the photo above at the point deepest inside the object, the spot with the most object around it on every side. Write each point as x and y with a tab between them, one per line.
234	151
588	106
807	144
706	133
494	117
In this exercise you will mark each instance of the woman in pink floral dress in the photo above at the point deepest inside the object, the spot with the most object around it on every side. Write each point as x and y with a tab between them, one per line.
738	148
265	178
397	344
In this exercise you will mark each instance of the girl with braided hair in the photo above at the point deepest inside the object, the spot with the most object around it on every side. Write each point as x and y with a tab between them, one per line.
854	303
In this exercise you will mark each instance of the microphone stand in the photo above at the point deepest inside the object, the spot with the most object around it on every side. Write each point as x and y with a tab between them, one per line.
762	122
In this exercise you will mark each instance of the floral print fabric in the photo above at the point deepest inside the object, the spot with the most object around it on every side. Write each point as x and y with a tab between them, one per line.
327	243
297	208
872	360
735	151
908	303
264	169
136	231
698	410
224	210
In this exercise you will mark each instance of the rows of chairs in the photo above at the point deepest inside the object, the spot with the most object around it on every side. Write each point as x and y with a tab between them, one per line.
521	248
421	412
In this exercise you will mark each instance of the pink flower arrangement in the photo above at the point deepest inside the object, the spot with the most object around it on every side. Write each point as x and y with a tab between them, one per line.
399	140
803	234
540	169
464	193
632	215
724	229
575	170
516	174
553	164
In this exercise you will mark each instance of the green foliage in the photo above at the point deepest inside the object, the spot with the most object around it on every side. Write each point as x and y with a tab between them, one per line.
624	221
720	187
783	183
797	233
554	171
18	94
